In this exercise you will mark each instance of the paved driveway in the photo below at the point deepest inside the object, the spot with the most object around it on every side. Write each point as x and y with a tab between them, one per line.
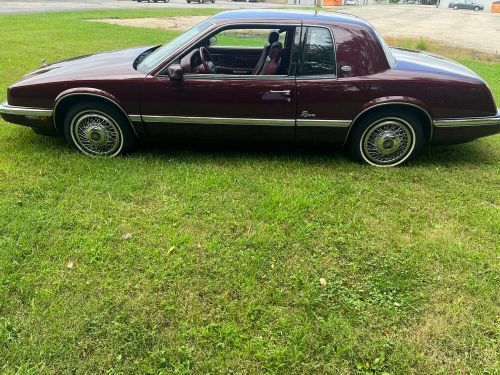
27	6
462	28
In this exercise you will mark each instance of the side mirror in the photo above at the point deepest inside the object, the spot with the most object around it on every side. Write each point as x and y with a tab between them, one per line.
212	41
175	73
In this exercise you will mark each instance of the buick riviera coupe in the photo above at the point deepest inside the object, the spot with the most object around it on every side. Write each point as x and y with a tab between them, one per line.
261	75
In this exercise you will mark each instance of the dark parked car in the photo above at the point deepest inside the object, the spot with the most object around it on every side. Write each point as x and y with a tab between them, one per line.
317	77
466	4
154	1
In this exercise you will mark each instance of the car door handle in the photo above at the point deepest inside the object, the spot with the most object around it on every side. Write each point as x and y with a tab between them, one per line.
283	92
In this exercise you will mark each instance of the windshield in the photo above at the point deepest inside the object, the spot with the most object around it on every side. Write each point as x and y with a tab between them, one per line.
166	50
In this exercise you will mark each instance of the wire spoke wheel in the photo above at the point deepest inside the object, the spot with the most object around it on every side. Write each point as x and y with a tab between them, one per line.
387	142
95	133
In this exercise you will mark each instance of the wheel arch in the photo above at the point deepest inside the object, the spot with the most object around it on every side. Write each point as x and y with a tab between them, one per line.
67	98
422	114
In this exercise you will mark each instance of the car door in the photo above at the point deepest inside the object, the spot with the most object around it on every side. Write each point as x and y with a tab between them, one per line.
220	106
320	104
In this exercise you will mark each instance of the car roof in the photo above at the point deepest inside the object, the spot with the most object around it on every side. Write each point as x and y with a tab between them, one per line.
307	16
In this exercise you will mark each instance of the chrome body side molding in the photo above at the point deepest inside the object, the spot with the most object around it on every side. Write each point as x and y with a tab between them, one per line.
324	123
239	121
468	121
218	120
135	118
25	111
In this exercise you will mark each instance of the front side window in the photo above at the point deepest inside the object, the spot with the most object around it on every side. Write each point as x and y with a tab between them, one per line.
319	52
249	37
252	50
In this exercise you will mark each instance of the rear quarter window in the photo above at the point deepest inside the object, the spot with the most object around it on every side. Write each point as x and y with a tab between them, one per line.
319	52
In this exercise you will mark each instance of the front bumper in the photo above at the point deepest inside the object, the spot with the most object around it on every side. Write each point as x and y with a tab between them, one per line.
33	117
460	130
7	109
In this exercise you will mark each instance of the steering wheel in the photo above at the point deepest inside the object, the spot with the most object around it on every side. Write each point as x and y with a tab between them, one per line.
207	61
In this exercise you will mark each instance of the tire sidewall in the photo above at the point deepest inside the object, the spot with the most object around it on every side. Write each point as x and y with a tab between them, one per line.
356	140
127	135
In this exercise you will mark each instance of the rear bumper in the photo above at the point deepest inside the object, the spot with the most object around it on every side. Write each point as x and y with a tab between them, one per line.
33	117
460	130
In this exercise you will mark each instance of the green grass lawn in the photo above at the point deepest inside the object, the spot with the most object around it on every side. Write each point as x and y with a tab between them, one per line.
209	261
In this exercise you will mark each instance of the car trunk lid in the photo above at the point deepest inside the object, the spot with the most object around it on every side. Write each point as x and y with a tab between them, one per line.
429	63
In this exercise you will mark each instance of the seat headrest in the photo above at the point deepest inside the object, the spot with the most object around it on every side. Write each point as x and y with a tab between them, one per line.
273	36
276	49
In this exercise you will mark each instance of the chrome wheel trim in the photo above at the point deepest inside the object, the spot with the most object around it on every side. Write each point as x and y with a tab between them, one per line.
387	142
96	133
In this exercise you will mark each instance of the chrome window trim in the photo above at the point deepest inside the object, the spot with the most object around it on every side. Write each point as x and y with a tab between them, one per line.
317	77
8	109
243	77
99	96
218	120
324	123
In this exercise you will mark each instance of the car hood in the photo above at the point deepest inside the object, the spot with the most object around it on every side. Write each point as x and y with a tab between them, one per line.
429	63
106	65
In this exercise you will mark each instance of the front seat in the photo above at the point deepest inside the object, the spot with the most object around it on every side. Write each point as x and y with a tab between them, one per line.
272	38
273	60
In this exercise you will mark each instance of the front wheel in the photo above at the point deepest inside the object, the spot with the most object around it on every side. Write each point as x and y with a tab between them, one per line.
476	9
386	139
455	7
98	129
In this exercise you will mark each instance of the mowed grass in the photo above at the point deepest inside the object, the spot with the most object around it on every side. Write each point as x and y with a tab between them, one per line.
207	260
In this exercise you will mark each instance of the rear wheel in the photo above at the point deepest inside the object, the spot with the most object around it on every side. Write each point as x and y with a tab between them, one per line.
386	139
98	129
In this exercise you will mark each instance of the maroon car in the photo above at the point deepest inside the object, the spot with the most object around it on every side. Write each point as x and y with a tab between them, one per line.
317	77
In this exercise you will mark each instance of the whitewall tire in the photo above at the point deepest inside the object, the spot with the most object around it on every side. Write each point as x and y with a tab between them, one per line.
386	139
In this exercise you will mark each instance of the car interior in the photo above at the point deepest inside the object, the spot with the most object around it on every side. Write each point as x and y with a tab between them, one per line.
237	51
